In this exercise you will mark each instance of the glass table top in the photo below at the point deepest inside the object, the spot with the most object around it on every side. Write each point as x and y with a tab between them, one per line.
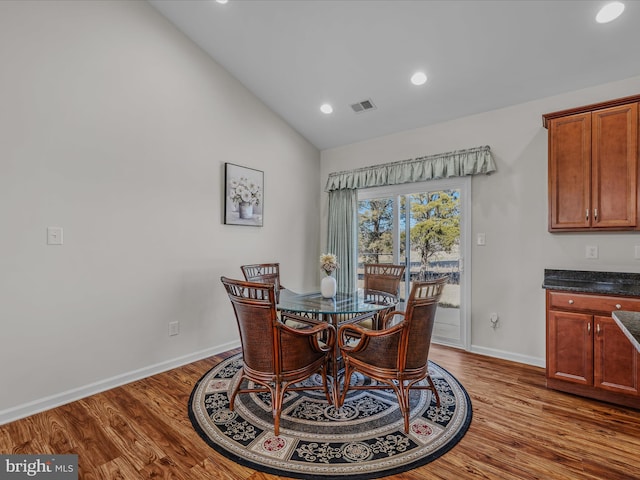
358	302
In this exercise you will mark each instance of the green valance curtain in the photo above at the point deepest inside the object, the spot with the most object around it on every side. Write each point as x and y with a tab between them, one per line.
459	163
343	195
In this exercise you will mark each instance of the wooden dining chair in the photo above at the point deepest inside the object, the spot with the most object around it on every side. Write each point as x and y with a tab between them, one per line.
275	356
270	273
385	278
263	273
397	355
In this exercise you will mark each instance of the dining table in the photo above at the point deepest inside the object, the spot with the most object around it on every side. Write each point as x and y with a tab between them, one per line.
343	308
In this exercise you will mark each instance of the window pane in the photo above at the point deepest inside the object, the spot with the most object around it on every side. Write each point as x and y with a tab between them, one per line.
375	235
435	250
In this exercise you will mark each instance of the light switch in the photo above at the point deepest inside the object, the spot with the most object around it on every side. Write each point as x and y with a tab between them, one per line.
481	239
54	235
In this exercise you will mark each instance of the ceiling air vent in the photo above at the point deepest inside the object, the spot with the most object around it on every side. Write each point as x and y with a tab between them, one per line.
363	106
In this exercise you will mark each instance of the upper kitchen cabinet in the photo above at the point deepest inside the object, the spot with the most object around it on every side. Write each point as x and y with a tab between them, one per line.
593	167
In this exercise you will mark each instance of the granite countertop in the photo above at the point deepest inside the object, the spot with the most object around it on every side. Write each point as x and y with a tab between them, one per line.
629	322
607	283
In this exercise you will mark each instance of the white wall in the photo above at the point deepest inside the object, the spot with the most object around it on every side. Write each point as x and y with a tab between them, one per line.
510	206
114	126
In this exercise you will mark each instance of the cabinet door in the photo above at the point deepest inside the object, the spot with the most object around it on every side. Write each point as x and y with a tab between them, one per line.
615	367
614	163
570	172
570	347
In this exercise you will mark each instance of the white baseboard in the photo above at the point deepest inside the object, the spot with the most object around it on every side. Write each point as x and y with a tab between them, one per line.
47	403
514	357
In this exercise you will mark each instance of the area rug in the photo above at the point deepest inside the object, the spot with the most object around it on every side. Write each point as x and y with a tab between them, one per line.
362	440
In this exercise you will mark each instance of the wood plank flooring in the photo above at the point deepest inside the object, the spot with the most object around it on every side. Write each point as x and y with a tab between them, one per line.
520	430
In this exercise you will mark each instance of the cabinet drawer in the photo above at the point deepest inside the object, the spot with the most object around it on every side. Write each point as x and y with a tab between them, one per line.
592	303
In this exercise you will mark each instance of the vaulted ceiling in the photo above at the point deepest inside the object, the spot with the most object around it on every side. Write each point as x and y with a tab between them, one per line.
478	55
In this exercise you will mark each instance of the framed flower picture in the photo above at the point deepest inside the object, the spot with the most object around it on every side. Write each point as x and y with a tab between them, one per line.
243	195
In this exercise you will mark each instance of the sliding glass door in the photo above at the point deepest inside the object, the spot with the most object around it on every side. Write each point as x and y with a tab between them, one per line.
424	226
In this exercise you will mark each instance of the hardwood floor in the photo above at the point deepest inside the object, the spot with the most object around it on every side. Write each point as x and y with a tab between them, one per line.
520	430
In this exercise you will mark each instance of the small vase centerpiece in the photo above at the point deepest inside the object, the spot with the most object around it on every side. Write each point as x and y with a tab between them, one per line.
328	264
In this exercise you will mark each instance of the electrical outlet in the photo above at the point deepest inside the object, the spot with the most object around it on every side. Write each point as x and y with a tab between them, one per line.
174	328
591	251
637	251
54	235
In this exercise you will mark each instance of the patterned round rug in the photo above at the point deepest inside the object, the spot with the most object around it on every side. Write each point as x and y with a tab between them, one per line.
364	439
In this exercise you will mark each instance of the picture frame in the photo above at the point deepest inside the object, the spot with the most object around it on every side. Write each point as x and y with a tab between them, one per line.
243	195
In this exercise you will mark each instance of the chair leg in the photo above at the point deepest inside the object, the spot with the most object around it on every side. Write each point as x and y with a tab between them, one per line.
348	371
433	387
325	384
276	407
235	391
403	399
277	395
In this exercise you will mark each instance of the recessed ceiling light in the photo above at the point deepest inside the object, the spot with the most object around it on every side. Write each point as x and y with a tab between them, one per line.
222	1
610	12
326	108
418	78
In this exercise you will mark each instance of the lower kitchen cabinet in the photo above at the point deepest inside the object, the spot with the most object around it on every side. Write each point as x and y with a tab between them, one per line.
587	352
615	365
570	347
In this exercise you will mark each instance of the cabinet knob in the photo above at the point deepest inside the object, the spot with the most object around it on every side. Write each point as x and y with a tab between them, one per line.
570	302
618	306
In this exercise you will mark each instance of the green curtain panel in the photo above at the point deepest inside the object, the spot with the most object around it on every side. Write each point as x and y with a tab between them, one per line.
343	236
343	196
